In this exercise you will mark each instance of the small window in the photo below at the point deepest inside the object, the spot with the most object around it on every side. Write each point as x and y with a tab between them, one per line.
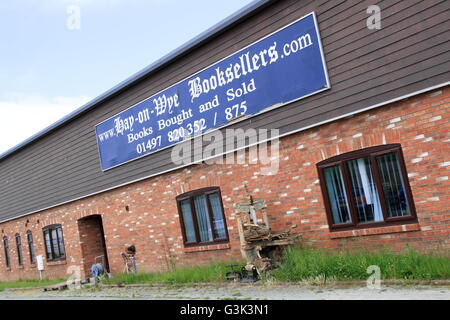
366	188
19	249
54	243
31	247
6	246
202	217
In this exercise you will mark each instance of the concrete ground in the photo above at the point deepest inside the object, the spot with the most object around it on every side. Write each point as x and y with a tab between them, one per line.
239	291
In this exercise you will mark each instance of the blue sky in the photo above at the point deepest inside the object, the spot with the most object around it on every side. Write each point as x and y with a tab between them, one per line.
49	66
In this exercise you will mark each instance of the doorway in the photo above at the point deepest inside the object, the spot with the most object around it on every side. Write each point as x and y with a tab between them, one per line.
92	238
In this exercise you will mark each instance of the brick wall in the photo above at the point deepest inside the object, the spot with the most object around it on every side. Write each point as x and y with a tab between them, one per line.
293	195
91	241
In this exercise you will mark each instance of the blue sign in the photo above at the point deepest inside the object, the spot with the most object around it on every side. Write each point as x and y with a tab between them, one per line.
283	67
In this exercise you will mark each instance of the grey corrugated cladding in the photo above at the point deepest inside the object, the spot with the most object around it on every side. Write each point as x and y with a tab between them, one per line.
410	53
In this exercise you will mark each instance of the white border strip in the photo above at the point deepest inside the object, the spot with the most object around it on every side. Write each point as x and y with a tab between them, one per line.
234	150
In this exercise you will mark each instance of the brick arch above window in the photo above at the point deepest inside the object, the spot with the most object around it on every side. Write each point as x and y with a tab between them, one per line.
202	181
357	153
198	191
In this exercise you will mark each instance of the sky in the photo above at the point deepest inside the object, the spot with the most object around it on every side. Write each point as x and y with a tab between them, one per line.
57	55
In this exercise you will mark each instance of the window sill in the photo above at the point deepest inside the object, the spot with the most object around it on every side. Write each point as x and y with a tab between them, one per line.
375	231
56	263
210	247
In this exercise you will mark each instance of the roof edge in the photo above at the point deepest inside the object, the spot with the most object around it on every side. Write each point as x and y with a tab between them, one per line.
209	34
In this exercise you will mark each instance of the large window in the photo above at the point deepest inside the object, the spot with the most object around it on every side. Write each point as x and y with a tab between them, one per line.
202	217
31	247
54	243
6	247
19	249
366	188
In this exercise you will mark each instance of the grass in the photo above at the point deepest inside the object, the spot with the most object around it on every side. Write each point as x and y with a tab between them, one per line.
304	263
28	283
312	265
299	264
184	275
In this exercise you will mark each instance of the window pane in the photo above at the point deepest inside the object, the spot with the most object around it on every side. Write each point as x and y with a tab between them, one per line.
48	246
393	185
19	250
187	220
219	223
204	224
364	191
60	242
31	247
54	237
337	196
6	246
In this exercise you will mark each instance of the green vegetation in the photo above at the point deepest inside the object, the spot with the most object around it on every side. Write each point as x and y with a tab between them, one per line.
305	264
299	264
313	265
183	275
28	283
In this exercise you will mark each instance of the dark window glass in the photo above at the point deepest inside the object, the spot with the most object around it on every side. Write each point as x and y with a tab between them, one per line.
19	249
366	188
394	189
48	245
203	219
364	191
31	247
188	221
336	193
6	247
60	242
54	243
202	216
218	218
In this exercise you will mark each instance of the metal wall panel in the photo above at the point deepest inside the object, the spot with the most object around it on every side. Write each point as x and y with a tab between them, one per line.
366	67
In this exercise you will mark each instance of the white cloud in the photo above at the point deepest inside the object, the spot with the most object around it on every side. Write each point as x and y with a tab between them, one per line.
23	118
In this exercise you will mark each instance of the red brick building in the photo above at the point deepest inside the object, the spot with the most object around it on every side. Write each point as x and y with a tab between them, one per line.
364	164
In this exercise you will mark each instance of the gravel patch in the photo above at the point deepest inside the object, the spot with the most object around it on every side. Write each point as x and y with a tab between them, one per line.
226	291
